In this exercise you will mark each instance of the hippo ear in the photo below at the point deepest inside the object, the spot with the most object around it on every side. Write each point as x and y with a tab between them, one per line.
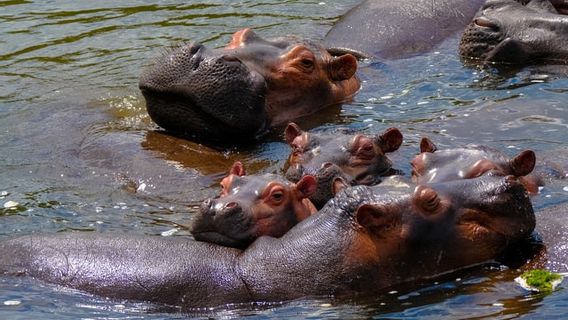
375	219
343	67
291	132
426	145
523	163
237	169
390	140
306	187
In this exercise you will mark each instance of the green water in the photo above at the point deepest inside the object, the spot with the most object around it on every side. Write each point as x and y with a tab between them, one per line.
80	154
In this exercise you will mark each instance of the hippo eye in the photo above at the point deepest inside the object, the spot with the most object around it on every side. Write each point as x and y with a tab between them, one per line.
277	196
307	63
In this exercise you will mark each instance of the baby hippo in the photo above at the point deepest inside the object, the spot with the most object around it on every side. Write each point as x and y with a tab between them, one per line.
253	206
338	160
472	161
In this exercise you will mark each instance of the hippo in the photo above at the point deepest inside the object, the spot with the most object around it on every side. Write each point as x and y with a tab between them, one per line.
471	161
239	91
339	159
361	242
253	206
389	30
511	32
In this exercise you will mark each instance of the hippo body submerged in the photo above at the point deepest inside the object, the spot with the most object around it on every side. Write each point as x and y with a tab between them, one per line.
362	242
398	29
518	32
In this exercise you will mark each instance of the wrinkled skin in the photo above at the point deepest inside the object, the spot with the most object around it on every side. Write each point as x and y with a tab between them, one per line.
337	160
507	31
433	165
253	206
362	242
239	91
399	29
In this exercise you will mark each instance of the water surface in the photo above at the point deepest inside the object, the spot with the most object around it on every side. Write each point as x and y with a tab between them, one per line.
79	153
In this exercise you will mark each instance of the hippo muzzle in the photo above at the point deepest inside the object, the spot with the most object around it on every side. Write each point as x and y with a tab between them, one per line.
210	225
193	90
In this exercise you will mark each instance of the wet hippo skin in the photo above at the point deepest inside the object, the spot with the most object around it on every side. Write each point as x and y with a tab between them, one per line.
397	29
253	206
511	32
239	91
339	159
361	242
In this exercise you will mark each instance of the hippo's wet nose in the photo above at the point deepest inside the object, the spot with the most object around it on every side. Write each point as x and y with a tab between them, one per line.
231	208
206	206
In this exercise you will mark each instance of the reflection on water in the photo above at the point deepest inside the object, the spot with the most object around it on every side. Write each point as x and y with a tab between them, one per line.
80	154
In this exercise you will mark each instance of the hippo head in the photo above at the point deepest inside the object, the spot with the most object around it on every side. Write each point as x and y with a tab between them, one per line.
518	32
355	159
429	229
472	161
237	91
252	206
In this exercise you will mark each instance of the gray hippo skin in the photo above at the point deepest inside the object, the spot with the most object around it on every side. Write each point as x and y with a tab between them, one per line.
552	227
362	242
398	29
506	31
339	159
241	90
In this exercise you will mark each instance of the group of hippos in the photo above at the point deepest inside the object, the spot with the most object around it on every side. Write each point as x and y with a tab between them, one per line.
344	220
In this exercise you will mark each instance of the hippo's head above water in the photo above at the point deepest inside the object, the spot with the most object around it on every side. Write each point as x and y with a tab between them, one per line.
340	159
433	165
518	32
252	206
238	91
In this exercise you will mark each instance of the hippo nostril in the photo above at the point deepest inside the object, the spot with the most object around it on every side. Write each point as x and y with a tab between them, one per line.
326	165
206	206
194	47
231	205
486	23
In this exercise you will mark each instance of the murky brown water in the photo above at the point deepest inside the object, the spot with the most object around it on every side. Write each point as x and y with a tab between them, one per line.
78	151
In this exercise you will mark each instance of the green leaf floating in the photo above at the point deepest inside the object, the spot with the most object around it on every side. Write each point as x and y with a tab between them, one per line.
539	280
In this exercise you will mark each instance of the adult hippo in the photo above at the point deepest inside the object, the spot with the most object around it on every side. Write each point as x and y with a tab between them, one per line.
239	91
397	29
361	242
508	31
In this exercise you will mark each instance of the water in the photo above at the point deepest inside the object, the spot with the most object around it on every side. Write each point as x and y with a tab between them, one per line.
79	153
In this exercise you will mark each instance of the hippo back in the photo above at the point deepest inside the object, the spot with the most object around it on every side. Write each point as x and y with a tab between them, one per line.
397	29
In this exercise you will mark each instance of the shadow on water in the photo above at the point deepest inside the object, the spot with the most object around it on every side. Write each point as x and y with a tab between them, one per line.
80	154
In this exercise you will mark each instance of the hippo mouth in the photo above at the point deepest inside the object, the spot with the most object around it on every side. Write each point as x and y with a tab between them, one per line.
479	40
193	91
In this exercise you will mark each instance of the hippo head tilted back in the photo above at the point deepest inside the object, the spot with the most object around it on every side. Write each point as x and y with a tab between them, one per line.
238	91
252	206
518	32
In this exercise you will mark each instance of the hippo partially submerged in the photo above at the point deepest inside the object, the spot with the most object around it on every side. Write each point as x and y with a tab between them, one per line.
253	206
239	91
361	242
339	159
509	31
